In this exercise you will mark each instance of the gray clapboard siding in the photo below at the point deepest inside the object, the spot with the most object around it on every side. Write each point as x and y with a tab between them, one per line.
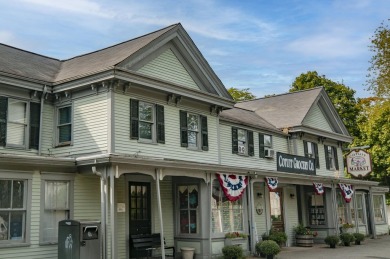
171	148
261	225
230	159
290	213
382	229
316	119
168	67
86	198
48	122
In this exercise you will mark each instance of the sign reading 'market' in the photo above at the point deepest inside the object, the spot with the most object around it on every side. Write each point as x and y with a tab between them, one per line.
295	164
359	163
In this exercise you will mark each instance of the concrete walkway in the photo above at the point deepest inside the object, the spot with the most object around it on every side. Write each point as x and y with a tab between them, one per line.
370	248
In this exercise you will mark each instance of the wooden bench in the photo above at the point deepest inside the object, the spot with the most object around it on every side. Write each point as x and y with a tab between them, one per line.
144	245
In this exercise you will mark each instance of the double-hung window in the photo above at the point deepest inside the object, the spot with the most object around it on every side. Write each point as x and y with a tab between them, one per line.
265	142
242	142
227	216
311	150
193	131
55	205
13	210
64	125
147	122
188	196
16	127
379	209
331	158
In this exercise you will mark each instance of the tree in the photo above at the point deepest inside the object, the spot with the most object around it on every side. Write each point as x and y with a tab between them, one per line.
374	125
241	94
341	96
378	78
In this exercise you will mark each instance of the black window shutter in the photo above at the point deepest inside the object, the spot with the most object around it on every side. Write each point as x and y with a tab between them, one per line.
234	141
261	146
134	118
3	119
305	150
327	157
35	115
183	129
251	147
316	154
336	160
205	136
160	124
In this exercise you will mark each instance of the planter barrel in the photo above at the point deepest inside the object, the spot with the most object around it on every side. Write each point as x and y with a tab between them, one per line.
304	240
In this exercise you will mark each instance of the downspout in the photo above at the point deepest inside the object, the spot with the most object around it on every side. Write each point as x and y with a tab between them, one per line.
103	195
158	174
44	90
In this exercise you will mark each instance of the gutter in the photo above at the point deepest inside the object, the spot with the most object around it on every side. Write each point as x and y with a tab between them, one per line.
44	90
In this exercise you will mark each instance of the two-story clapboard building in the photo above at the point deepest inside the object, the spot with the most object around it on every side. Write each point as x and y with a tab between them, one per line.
144	137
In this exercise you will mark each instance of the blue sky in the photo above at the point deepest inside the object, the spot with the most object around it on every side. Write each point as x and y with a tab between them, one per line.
261	45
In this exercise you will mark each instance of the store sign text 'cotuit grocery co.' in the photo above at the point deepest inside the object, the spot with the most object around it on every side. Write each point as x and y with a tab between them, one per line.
295	164
359	163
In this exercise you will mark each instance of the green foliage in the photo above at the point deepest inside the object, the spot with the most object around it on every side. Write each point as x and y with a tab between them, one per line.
342	96
265	236
241	94
277	236
257	247
269	247
358	237
232	252
301	230
332	240
378	78
235	235
347	225
347	238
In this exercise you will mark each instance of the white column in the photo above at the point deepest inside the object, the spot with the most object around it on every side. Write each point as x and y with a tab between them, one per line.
158	174
112	214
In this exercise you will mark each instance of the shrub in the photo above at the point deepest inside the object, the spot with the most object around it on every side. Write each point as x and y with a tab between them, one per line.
332	240
358	237
264	236
257	247
347	238
279	237
269	247
232	252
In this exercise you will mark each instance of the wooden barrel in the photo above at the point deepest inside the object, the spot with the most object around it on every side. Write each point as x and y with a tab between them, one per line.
304	240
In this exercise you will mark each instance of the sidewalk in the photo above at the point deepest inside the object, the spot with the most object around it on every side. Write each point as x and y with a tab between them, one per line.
370	248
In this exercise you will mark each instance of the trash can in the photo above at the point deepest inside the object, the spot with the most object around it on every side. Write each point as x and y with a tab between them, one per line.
78	239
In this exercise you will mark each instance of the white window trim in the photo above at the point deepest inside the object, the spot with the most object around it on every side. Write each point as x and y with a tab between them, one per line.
199	210
55	177
26	125
154	124
27	176
57	135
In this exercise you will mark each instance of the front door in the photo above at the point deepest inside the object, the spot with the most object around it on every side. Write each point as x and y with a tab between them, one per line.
139	208
276	203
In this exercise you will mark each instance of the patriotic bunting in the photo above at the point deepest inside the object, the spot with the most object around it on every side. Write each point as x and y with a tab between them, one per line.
272	183
346	190
233	185
319	188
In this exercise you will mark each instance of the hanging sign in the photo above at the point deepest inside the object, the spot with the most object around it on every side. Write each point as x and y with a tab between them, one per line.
319	188
346	190
272	183
233	185
359	163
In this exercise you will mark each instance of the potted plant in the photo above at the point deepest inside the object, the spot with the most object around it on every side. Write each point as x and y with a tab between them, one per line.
236	238
279	237
232	252
332	241
265	236
270	248
346	227
347	238
359	237
258	249
304	236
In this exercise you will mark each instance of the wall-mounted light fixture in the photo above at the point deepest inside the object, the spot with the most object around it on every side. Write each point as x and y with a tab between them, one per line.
292	195
259	195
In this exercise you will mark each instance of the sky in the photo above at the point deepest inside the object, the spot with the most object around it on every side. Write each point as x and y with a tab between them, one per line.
255	44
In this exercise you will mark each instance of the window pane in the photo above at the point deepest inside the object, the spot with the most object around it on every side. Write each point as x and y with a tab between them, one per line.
145	111
16	133
145	130
193	122
267	141
241	134
193	199
5	193
16	228
183	197
64	133
184	227
57	195
65	115
16	111
50	224
4	225
18	194
193	221
192	139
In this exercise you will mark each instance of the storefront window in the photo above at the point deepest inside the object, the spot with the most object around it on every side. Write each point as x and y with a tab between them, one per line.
341	209
358	211
379	210
188	208
316	209
227	216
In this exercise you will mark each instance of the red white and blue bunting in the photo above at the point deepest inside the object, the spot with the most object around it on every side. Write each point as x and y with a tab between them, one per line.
346	190
233	185
319	188
272	183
